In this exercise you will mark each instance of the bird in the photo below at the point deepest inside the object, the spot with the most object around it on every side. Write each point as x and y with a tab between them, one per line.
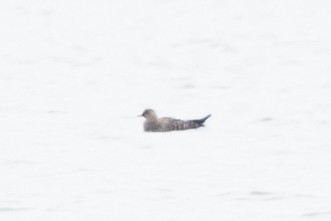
154	124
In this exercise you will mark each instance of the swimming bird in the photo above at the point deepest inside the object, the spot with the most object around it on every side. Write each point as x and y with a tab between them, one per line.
164	124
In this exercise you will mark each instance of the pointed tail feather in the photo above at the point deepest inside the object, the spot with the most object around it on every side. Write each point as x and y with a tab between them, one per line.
201	121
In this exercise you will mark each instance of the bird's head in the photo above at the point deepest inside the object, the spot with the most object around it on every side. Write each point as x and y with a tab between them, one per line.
149	114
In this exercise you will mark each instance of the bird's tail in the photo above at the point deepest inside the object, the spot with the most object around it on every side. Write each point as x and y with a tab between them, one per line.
201	121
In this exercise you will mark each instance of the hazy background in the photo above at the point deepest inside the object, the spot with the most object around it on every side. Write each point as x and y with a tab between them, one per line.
75	74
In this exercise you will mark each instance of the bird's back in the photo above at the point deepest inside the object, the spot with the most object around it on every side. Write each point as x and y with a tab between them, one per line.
169	124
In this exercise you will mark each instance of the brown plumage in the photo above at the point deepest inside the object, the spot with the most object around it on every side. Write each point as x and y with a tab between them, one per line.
164	124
